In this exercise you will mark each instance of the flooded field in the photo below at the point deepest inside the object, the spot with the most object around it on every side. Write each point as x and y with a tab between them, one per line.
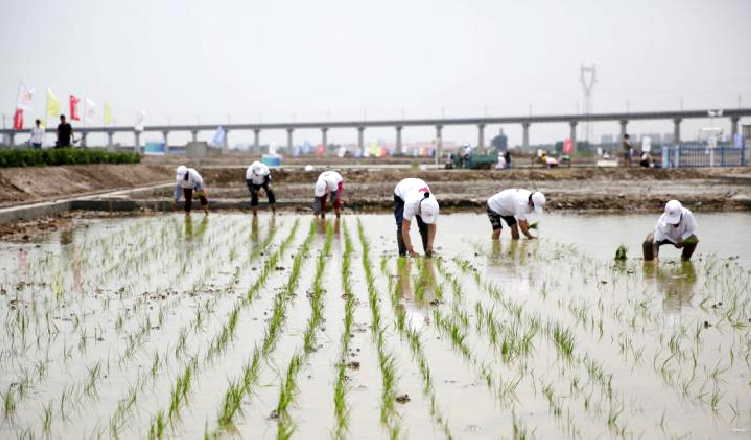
227	326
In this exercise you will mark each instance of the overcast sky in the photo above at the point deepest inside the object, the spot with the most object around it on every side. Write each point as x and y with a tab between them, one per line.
188	61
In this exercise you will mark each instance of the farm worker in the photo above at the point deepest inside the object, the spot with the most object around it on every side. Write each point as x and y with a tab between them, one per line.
676	226
258	176
413	199
329	186
188	180
514	206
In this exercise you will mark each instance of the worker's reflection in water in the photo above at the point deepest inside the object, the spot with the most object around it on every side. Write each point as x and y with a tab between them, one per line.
676	283
417	298
254	229
189	233
72	255
508	261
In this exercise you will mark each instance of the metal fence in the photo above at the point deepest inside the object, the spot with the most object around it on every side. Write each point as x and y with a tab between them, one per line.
701	155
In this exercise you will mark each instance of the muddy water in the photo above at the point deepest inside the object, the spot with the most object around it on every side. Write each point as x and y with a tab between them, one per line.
631	350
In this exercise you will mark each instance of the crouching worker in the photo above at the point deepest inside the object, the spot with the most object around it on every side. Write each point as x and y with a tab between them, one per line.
676	226
188	182
514	206
412	199
329	186
258	176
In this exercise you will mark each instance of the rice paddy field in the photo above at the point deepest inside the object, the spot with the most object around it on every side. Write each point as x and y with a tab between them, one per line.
288	327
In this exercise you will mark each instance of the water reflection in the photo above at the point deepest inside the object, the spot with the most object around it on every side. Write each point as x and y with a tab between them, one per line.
190	233
676	283
416	293
254	229
507	261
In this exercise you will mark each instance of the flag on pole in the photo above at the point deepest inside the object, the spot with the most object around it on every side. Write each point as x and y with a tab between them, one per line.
53	105
107	113
139	120
18	119
74	116
90	111
25	95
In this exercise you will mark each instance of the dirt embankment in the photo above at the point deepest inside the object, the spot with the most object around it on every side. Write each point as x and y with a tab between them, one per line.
34	184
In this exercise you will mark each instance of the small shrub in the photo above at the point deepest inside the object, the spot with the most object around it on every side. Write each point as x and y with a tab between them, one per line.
64	156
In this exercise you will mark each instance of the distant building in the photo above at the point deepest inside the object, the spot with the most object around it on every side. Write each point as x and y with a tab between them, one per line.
500	141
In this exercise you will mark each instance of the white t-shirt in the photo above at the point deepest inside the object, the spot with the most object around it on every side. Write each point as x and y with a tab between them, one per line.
257	173
686	228
512	202
37	135
332	180
411	190
194	180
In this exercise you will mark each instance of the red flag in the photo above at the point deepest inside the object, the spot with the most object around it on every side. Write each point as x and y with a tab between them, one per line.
18	119
568	146
74	108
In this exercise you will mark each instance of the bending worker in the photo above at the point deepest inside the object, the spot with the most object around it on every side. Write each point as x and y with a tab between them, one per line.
514	207
258	176
329	186
188	180
676	226
412	199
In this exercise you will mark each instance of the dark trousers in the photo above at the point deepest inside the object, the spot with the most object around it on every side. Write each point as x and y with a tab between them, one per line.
37	146
399	216
188	194
254	188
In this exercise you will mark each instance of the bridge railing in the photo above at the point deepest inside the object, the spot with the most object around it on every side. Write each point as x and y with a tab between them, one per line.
695	155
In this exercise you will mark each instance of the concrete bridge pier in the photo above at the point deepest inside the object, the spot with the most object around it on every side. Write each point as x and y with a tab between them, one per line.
290	139
165	134
257	137
525	134
110	136
572	135
624	130
361	139
226	138
84	135
734	128
677	131
194	135
324	137
398	140
12	139
137	141
438	143
480	135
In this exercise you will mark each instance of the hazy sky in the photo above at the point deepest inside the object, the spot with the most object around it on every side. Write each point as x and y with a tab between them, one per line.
188	61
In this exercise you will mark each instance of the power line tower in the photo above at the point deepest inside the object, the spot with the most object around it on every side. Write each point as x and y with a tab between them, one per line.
588	78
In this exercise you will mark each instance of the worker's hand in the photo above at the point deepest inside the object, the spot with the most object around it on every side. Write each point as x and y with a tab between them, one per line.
531	237
412	253
429	253
679	244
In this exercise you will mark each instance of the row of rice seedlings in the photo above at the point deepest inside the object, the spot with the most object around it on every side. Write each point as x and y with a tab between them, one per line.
243	385
563	341
389	417
412	337
341	409
288	388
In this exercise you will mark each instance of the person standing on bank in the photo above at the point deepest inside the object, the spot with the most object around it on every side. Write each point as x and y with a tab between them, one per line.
514	206
37	136
413	199
64	134
676	226
627	150
258	176
329	186
188	181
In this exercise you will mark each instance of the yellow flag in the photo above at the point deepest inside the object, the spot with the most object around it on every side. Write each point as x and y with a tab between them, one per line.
53	105
107	113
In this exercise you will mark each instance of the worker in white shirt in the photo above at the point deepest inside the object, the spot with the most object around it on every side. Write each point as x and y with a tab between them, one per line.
413	199
329	186
514	206
37	136
189	181
258	176
676	226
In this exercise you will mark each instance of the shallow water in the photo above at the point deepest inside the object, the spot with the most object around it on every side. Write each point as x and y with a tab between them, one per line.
546	337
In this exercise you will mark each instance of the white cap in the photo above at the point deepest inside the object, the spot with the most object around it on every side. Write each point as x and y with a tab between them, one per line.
181	171
308	167
429	209
538	200
673	210
255	163
321	187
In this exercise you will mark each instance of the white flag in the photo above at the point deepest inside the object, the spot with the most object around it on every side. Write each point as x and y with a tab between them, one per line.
139	120
219	137
90	110
25	95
